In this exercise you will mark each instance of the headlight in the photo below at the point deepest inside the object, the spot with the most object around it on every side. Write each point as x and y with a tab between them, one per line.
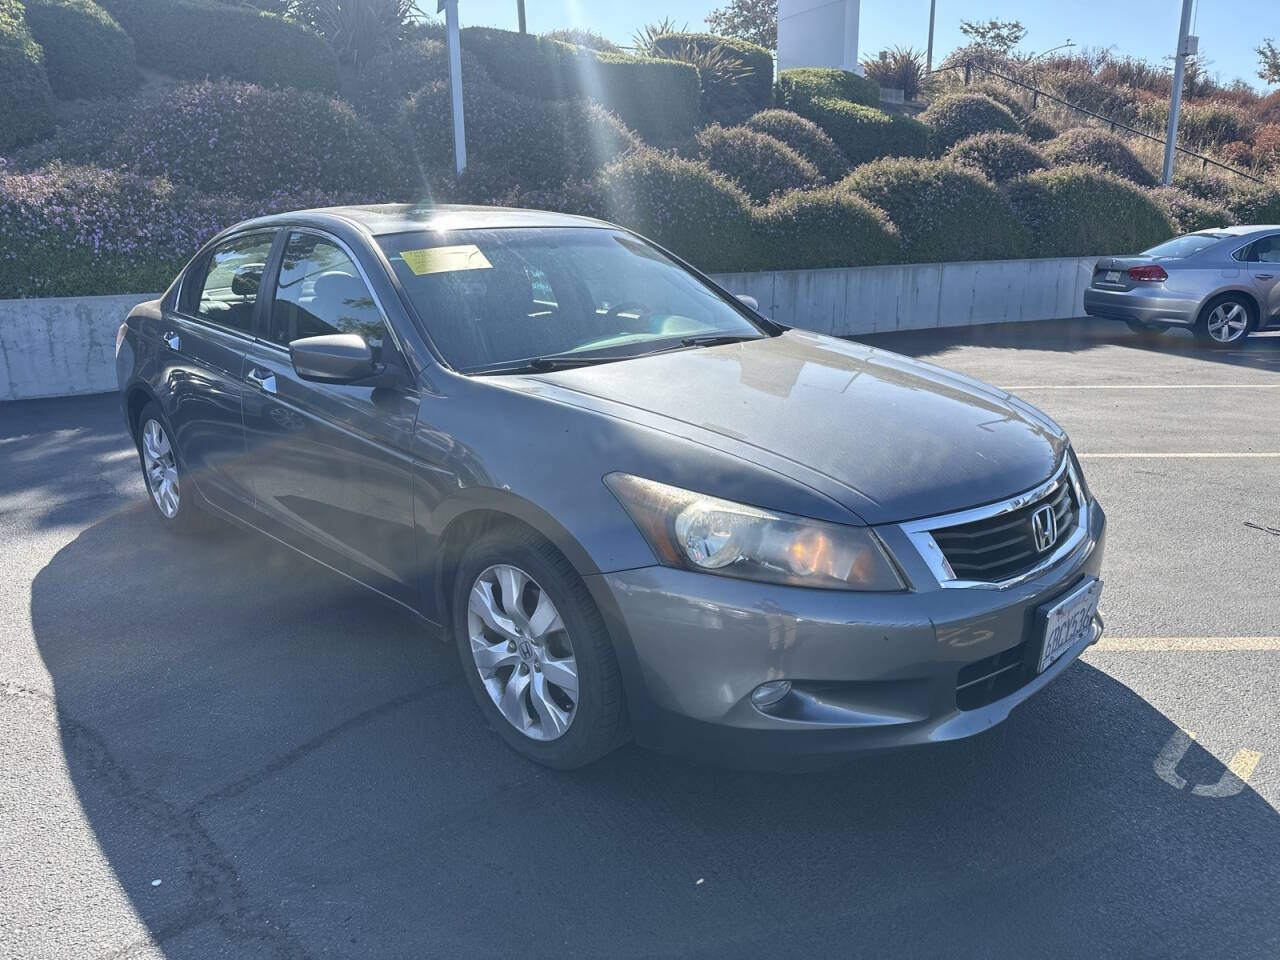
1075	466
699	532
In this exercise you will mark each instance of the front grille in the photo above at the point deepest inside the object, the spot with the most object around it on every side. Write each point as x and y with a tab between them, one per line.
1003	546
987	680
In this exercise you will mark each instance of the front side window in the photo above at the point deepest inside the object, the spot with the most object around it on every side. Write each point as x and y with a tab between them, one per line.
494	297
1184	246
321	292
228	289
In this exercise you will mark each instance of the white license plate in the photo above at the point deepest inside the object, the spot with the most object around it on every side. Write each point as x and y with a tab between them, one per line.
1113	276
1068	622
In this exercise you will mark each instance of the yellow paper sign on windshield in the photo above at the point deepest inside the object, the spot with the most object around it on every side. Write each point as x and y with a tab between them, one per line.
466	256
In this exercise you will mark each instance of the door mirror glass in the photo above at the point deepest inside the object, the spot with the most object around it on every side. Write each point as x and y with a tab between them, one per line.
333	358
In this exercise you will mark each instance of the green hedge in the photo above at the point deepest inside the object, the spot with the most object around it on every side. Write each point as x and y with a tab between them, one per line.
863	133
810	229
687	207
799	85
1079	211
658	99
1189	213
86	53
942	211
1098	148
759	164
998	156
804	137
197	40
26	101
721	100
955	117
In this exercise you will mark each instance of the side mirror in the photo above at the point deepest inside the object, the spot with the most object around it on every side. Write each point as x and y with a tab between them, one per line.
335	358
750	301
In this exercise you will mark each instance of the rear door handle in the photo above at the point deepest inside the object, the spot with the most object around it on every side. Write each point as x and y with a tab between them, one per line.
264	380
172	340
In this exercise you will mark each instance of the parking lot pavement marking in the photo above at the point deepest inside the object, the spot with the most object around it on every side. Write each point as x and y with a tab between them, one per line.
1233	779
1145	386
1186	644
1179	456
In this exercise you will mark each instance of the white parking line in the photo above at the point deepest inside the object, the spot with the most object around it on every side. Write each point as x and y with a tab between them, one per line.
1176	456
1186	644
1145	386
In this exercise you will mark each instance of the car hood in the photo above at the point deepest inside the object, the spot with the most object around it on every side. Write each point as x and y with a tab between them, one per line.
888	437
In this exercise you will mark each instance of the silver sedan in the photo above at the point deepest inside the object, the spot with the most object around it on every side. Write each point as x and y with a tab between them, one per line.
1222	283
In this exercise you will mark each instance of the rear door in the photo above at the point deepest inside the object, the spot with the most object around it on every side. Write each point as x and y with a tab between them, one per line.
330	463
202	353
1264	267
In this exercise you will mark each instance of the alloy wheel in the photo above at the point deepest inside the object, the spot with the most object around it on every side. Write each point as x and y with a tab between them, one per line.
161	468
522	651
1227	322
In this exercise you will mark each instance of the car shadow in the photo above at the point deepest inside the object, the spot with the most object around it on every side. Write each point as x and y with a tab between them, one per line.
300	761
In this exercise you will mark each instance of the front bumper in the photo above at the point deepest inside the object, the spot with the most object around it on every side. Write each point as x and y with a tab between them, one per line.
869	671
1145	304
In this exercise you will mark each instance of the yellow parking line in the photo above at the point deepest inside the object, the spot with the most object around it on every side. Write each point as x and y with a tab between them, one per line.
1185	644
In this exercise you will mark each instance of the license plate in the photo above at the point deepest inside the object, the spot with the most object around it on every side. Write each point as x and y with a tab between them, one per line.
1113	276
1068	621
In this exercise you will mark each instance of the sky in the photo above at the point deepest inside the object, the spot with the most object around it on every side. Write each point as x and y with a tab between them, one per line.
1229	30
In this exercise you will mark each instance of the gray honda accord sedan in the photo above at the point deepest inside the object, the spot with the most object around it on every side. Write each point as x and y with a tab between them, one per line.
637	507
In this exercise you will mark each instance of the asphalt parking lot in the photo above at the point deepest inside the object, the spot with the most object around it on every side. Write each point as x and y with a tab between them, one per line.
220	750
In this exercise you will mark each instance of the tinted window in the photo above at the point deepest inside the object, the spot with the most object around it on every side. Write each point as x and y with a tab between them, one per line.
493	297
1184	246
1266	250
321	292
229	287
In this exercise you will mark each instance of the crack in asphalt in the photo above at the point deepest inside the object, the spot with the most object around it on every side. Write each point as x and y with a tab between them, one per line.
219	892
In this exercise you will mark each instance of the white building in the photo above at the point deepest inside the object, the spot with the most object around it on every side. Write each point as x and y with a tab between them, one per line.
818	33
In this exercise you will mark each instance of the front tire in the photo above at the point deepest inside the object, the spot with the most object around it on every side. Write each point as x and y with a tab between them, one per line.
1225	321
173	498
535	651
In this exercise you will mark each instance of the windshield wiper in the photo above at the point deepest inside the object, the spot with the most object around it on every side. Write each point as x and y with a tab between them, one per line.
546	364
716	339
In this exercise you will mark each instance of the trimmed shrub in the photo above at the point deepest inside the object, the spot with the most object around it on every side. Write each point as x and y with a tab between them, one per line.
1189	213
580	37
1200	125
518	142
1254	202
1080	211
389	79
960	115
196	40
26	101
1002	95
804	137
759	164
809	229
998	156
942	211
1098	148
86	54
726	99
863	133
687	207
252	141
86	130
1115	101
800	85
1204	184
659	99
1037	130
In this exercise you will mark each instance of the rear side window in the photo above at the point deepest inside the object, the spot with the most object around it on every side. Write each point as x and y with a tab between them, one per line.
228	288
1266	250
321	292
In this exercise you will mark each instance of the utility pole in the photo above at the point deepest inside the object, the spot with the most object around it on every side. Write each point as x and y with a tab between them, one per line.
520	14
1187	46
928	58
450	8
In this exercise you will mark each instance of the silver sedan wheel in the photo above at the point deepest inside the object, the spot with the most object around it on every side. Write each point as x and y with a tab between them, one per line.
1228	322
161	468
522	651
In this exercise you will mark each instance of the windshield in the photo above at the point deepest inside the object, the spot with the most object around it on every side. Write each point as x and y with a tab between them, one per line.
492	298
1184	246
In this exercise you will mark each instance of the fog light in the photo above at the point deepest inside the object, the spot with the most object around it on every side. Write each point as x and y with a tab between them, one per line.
770	692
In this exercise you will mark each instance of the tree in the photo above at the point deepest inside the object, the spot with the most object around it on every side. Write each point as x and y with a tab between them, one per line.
753	20
1269	61
998	35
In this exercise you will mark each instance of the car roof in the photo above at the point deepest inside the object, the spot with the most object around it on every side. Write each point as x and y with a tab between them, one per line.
1242	230
388	218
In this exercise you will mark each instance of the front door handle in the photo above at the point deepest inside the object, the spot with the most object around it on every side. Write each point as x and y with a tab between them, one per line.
264	380
1265	276
172	340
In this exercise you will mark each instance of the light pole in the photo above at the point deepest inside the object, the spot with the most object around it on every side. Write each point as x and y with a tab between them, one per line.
520	15
928	57
450	8
1186	45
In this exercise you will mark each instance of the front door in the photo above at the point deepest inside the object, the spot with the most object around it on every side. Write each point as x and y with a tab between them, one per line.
202	352
1264	265
330	463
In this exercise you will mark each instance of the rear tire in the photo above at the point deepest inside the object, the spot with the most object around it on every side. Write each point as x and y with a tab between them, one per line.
1225	321
172	496
540	664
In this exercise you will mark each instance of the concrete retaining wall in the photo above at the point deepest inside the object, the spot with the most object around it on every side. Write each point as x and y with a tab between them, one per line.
63	346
